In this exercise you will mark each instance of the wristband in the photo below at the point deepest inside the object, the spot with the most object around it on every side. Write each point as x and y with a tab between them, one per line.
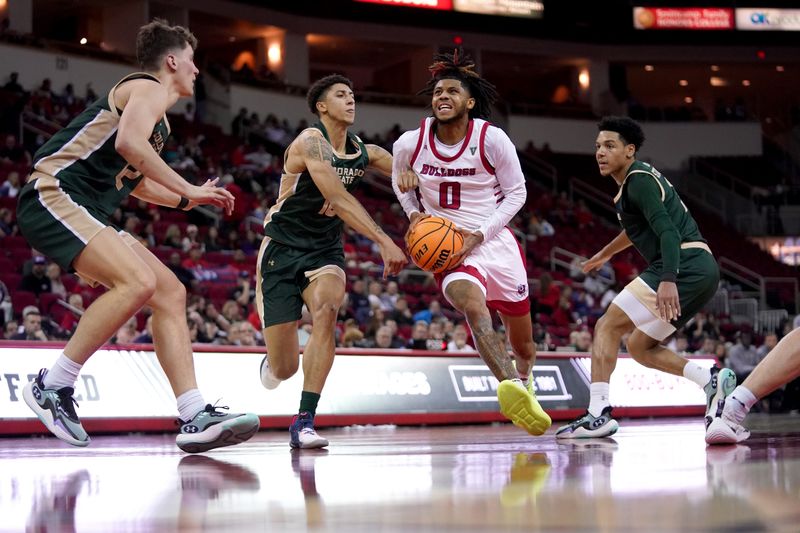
183	203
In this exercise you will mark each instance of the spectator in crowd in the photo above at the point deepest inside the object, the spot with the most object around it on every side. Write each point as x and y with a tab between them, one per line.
6	307
10	187
679	344
31	326
385	340
70	319
708	346
459	341
191	239
53	273
428	315
359	301
743	356
7	225
13	85
436	336
419	336
390	296
581	341
242	333
401	313
146	336
375	290
704	325
183	274
212	241
173	237
126	333
37	281
13	153
10	329
770	341
546	296
593	284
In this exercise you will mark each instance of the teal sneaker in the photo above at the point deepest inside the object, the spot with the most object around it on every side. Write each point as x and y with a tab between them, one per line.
589	426
211	428
56	410
719	387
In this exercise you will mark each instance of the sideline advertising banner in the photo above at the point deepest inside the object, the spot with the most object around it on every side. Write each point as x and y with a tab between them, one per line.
120	384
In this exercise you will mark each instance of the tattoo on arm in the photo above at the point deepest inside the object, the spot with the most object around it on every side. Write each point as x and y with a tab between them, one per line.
318	149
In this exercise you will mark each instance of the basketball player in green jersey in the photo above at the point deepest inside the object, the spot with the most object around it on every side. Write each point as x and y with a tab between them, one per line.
80	176
301	259
681	277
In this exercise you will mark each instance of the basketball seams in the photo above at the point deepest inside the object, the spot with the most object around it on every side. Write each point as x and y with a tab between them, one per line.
419	240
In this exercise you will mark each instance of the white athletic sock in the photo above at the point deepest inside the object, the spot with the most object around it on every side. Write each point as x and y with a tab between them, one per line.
189	404
599	398
63	373
696	373
738	404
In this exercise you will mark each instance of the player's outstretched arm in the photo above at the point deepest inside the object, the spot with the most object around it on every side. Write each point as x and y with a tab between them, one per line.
151	191
146	105
619	243
316	155
381	160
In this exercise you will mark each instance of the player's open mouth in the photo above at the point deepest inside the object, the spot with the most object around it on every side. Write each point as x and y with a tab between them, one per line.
444	107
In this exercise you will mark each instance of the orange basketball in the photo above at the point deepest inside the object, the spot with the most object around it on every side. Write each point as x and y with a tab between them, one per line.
432	244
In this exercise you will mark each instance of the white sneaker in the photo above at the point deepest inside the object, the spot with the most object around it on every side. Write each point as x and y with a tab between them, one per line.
722	431
268	379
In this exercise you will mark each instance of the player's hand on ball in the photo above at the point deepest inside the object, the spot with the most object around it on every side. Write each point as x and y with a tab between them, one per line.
471	240
415	218
407	180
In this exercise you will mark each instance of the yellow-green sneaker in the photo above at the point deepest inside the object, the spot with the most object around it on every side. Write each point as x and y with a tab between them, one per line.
521	408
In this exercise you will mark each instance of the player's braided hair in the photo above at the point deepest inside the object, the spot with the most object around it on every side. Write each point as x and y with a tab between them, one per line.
460	66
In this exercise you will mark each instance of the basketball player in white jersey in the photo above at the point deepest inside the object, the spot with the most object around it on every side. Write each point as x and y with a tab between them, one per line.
468	171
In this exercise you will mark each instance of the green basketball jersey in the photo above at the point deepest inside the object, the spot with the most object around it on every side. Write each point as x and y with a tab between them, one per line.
654	217
83	158
301	217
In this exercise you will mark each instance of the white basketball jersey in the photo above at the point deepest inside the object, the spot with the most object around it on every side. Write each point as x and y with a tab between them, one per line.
456	182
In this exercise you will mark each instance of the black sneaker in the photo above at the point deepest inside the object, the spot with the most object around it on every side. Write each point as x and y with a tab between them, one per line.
589	426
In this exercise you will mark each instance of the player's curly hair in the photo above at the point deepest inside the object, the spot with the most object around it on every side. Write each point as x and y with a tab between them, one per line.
318	89
459	66
628	129
157	38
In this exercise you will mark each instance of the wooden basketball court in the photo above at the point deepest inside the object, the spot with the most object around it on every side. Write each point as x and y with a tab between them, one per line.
652	476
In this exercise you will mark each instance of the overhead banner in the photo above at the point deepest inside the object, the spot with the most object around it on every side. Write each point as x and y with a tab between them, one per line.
683	18
508	8
768	19
443	5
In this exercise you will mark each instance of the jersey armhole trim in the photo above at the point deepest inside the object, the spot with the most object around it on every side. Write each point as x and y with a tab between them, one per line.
419	143
482	149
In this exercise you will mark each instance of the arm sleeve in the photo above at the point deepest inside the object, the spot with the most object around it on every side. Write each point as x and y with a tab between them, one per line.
645	193
402	150
502	155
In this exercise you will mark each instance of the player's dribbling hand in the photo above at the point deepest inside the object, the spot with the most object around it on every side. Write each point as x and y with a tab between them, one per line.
407	180
394	259
668	302
471	240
